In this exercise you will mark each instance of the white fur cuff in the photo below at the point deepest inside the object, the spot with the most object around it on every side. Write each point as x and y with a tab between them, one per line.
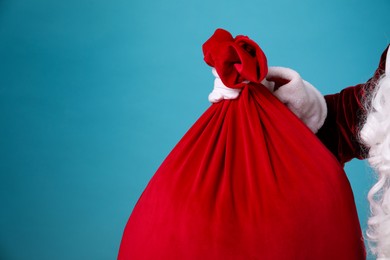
304	100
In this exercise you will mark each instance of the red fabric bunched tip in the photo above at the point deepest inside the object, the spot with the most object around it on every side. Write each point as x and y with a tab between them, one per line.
236	60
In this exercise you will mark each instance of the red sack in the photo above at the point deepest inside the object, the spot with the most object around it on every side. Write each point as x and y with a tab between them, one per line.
248	181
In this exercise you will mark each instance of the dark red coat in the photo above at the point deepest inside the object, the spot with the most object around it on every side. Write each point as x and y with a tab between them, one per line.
340	132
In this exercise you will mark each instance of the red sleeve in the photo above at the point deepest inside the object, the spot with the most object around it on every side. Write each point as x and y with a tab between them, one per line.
345	113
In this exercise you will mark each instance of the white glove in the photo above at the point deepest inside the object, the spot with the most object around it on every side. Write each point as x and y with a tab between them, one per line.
304	100
220	91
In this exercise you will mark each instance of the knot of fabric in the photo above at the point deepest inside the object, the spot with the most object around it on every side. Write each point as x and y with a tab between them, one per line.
236	60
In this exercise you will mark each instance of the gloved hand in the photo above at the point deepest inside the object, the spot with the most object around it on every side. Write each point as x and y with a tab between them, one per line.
304	100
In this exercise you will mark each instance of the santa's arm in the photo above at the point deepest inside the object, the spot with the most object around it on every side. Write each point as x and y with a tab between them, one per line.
344	118
340	130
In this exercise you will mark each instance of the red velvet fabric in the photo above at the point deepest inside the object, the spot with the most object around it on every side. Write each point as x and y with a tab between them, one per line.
248	181
346	114
236	59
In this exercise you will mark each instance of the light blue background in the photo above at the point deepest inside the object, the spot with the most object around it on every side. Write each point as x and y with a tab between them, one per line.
94	95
